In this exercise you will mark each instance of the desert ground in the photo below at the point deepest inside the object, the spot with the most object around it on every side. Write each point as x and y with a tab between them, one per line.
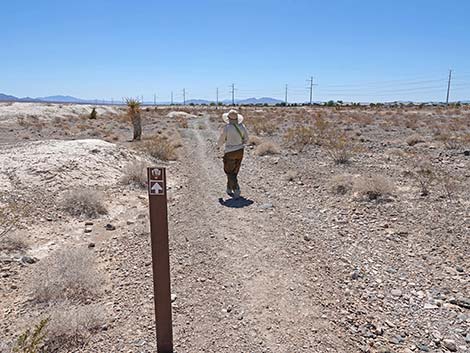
352	234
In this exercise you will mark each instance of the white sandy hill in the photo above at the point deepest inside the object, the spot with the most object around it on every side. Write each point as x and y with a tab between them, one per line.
54	165
9	112
178	114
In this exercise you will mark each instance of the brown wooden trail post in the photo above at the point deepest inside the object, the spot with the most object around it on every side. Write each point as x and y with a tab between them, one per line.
160	258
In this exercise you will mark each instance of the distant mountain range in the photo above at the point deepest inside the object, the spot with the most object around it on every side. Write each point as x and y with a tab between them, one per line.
70	99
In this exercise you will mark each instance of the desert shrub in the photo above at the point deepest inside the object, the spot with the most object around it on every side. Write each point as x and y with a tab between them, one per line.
71	326
373	188
87	202
93	113
452	139
449	184
322	127
32	341
254	140
12	242
414	139
267	148
341	184
340	146
263	126
11	208
182	122
411	122
66	274
135	174
299	137
423	172
159	147
175	139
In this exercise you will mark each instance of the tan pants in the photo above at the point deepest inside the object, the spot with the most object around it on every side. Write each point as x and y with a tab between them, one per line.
232	163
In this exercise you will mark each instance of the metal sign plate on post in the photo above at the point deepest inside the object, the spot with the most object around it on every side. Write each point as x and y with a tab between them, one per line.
160	258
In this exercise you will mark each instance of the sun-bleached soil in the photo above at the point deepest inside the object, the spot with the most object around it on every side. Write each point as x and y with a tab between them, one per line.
291	267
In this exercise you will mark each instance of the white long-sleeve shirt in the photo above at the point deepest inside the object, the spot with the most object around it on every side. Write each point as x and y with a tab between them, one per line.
232	139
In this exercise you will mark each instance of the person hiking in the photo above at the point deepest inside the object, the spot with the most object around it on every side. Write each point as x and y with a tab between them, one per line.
235	136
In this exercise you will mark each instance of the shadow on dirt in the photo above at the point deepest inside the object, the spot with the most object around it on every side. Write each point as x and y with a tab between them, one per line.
236	203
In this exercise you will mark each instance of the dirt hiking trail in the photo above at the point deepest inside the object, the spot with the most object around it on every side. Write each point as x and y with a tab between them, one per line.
249	288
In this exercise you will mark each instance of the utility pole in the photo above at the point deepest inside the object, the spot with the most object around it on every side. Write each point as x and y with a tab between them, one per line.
233	94
142	99
216	97
154	99
286	95
112	101
184	96
311	89
171	97
448	87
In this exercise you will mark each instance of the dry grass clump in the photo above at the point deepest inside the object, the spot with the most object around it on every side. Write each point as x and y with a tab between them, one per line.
373	188
135	174
88	203
71	326
68	274
160	147
414	139
341	184
299	137
267	148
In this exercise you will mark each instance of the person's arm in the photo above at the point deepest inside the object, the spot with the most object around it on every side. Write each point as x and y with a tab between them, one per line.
245	135
222	138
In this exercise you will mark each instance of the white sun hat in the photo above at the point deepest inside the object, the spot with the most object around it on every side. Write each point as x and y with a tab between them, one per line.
232	115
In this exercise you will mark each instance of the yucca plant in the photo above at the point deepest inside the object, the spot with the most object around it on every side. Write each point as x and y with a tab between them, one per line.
133	111
93	113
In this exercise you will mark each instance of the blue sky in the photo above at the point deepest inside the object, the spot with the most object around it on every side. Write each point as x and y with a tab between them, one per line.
356	50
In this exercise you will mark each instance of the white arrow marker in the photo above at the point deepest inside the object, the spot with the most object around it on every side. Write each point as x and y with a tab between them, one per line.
156	188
